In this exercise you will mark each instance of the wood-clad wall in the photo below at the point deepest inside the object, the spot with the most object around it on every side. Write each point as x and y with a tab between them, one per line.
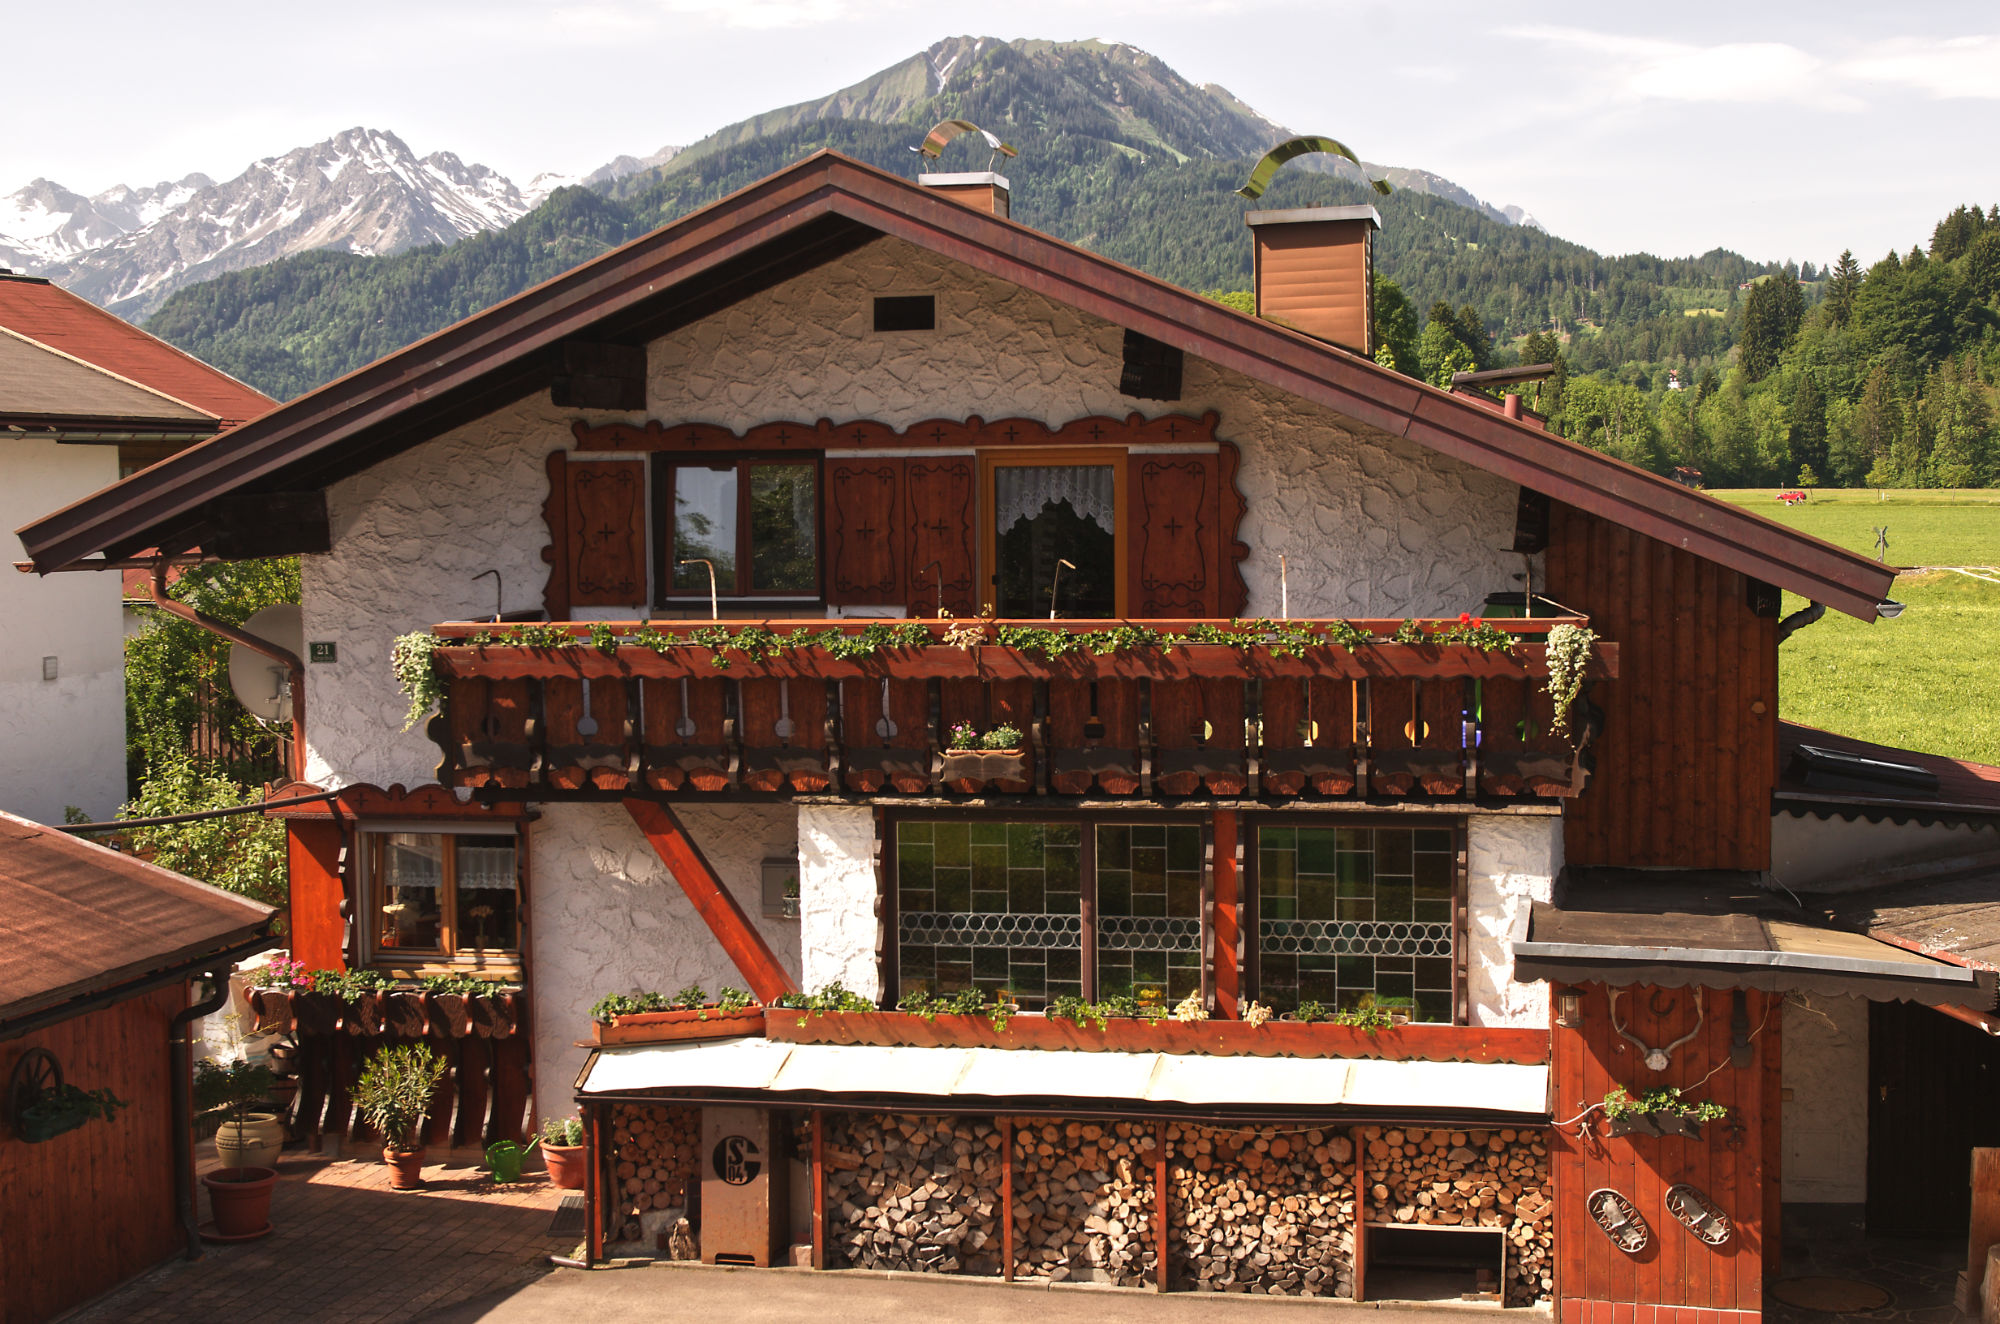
1688	755
319	933
83	1212
1729	1163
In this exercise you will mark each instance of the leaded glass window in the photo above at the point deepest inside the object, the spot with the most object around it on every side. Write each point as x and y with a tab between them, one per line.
1357	916
990	905
1149	908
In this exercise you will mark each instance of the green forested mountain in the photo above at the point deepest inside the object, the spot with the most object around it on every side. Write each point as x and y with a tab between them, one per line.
1118	153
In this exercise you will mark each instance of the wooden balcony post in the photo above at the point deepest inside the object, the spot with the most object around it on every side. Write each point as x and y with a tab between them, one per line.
1007	1199
715	904
1160	1257
1226	930
819	1188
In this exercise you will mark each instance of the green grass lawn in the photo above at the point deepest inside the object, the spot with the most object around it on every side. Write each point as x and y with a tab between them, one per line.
1936	527
1928	680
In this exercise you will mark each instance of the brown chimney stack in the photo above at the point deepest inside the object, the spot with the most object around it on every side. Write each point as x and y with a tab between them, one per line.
981	190
1315	272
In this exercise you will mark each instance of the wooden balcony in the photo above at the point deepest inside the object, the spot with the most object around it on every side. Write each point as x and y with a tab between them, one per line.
1106	708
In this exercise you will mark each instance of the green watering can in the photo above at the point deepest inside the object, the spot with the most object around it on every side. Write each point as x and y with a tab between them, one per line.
503	1159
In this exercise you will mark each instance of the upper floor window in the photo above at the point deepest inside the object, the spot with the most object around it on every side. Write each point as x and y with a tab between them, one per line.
441	897
756	521
1055	544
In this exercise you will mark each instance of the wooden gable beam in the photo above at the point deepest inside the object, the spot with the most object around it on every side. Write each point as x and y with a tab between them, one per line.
711	900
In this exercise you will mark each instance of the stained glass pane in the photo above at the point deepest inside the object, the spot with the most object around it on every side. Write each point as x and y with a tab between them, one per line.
989	905
1149	938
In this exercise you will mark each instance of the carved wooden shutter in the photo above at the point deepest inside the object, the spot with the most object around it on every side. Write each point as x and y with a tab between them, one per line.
863	502
938	521
1177	544
596	514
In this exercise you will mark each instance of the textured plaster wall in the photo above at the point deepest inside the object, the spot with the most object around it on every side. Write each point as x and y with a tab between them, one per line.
837	925
605	916
64	739
1834	855
1826	1099
1511	864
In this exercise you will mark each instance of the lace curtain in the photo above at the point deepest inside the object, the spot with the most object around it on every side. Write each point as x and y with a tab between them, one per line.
1021	492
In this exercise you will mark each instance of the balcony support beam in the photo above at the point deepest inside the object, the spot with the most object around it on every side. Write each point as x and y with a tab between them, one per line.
711	900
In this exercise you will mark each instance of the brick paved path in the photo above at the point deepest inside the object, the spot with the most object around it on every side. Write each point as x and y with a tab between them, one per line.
348	1248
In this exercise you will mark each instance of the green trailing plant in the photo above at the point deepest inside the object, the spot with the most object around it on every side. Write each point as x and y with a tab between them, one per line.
63	1108
1666	1099
1144	1006
831	997
603	638
456	985
1366	1019
230	1088
628	1004
1569	650
734	999
562	1132
691	998
1002	737
1309	1011
394	1091
350	985
411	658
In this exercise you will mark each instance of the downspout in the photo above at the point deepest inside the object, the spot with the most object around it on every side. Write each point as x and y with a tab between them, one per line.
1800	619
295	670
181	1056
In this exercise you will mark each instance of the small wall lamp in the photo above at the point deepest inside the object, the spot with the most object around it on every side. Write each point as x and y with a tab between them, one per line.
1569	1008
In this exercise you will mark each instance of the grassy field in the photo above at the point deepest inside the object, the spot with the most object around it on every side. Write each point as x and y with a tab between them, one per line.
1934	527
1928	680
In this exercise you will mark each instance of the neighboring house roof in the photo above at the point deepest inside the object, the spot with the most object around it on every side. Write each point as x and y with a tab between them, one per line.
77	919
815	212
1821	772
42	389
1952	916
35	310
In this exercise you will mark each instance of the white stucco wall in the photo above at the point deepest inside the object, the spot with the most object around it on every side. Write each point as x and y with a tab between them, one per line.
837	924
606	917
1511	863
1813	854
63	739
1825	1099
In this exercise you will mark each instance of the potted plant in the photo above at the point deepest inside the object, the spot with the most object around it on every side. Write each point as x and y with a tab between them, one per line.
972	759
244	1139
394	1095
562	1151
1659	1112
62	1108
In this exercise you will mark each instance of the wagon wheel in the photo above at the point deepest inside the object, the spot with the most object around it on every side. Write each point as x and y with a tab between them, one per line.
34	1074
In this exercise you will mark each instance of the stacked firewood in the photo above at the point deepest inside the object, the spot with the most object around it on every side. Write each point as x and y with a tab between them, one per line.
1261	1210
915	1193
1083	1202
1469	1178
654	1160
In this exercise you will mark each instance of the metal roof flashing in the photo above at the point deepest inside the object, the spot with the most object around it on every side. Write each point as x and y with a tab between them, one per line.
1295	215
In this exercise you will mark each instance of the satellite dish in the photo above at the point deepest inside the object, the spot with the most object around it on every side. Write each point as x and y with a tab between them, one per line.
259	683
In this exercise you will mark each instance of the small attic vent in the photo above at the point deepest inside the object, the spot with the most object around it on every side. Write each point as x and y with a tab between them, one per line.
906	312
1152	370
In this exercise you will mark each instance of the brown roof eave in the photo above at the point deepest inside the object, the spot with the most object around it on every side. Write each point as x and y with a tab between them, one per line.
830	185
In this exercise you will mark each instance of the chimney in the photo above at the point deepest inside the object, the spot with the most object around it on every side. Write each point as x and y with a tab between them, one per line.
1315	272
981	190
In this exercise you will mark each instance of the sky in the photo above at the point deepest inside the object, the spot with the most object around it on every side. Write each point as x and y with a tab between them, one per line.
1778	130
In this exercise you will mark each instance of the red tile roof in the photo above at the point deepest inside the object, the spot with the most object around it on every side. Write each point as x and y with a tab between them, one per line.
52	316
1961	784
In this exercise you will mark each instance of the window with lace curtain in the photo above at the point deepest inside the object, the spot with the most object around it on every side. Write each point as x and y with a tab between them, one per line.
435	897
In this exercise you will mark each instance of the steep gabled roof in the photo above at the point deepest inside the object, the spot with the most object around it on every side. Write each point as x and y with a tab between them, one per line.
809	214
50	316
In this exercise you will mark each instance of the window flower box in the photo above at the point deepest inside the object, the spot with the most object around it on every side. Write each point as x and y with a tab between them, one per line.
659	1027
971	770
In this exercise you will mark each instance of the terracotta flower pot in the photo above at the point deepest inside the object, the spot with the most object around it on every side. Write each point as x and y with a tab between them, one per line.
241	1200
565	1164
406	1168
255	1142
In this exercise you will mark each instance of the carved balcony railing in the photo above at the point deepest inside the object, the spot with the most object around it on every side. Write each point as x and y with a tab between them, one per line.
1283	713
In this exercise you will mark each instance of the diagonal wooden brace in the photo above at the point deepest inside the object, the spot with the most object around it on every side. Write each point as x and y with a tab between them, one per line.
711	900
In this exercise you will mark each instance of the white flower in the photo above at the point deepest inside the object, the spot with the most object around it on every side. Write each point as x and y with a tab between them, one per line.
1256	1014
1191	1009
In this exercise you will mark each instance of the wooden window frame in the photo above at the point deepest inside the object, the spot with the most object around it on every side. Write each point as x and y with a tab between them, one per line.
508	962
1250	892
888	956
665	595
1117	458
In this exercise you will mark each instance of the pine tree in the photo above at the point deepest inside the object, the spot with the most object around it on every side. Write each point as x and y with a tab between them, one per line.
1472	334
1770	320
1807	416
1396	330
1842	286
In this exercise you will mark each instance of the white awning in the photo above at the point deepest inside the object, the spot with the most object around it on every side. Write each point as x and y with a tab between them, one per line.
1025	1078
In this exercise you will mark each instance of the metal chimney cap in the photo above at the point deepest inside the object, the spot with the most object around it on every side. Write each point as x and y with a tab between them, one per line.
1361	212
966	177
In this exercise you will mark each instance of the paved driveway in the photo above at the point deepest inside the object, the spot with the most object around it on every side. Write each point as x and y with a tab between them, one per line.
785	1296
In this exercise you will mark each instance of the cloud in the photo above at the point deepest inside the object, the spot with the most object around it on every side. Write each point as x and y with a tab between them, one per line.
1650	69
1947	68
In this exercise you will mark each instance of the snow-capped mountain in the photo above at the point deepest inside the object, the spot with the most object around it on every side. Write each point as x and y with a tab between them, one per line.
362	191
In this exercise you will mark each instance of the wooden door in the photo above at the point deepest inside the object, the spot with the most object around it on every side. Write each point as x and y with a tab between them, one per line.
1933	1095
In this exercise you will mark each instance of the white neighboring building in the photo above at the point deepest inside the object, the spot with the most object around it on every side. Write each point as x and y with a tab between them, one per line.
85	398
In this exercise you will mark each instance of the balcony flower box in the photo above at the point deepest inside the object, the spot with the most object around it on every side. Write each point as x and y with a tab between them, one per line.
661	1027
1437	1043
970	770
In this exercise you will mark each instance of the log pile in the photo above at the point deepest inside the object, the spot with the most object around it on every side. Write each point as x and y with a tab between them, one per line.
1261	1210
1083	1201
916	1193
1476	1178
653	1160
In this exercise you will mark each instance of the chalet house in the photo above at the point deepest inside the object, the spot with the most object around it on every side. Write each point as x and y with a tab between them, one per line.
85	398
929	469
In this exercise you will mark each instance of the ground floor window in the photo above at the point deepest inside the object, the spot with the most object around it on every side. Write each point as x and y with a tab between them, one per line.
441	897
1357	916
